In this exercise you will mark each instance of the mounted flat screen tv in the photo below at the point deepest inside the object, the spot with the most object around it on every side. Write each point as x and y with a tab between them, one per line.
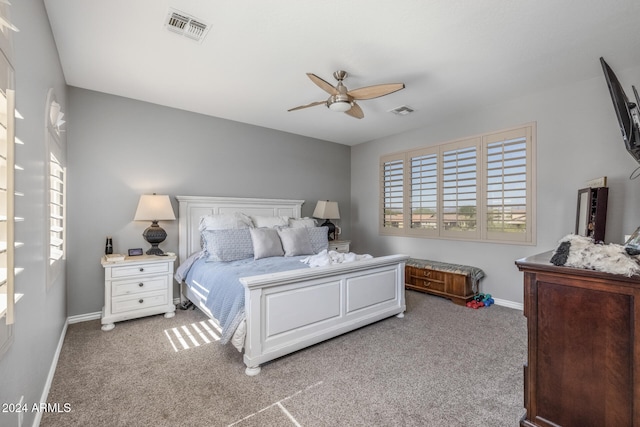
626	112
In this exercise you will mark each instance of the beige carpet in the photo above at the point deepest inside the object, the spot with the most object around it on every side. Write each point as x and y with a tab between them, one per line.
441	365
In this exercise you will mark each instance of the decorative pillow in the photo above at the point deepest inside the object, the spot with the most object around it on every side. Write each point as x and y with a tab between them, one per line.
302	222
227	245
269	221
319	237
235	220
295	241
266	243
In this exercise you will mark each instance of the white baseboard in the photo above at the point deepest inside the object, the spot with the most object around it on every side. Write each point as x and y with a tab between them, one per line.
84	317
509	304
97	315
52	371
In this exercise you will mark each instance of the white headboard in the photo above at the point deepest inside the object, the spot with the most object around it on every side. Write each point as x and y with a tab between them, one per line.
191	208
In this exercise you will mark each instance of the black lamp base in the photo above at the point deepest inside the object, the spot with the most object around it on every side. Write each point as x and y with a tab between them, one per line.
332	229
155	235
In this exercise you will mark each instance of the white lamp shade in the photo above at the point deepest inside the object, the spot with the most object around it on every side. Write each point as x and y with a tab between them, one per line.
326	209
154	207
340	106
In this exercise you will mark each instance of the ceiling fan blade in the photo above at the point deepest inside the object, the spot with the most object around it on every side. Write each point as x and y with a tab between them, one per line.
313	104
355	111
371	92
322	84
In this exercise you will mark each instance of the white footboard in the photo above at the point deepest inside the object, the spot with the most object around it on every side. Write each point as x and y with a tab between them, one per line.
288	311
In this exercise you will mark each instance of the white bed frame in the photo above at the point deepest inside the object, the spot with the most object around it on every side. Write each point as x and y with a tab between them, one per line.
291	310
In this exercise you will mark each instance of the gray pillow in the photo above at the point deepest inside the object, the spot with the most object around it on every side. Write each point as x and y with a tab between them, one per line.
319	237
295	241
227	245
266	243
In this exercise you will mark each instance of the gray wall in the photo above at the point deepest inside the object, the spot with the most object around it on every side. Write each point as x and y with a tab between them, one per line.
120	148
578	139
41	313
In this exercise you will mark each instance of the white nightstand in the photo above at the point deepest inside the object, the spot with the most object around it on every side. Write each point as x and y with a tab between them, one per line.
136	287
339	245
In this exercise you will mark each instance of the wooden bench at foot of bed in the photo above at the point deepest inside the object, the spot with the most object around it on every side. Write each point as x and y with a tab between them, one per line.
459	283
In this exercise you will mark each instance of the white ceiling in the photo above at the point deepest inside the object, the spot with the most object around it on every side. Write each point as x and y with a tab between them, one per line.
454	56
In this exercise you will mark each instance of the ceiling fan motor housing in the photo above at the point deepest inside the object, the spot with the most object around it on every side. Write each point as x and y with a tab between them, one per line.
340	101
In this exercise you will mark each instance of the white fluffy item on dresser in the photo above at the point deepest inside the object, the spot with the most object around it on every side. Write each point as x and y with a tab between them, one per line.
583	252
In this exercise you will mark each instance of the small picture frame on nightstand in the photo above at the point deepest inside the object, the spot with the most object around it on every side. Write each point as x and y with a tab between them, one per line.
135	252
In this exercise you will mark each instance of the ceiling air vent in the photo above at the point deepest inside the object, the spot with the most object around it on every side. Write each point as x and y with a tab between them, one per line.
402	110
186	25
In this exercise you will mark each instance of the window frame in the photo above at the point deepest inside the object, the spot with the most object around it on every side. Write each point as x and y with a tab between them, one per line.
477	187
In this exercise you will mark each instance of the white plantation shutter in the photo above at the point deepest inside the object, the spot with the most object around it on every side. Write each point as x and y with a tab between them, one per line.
7	246
8	139
423	202
56	192
460	190
392	193
508	187
56	210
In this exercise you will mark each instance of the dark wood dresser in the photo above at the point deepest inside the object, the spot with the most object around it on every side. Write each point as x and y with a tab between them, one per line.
583	346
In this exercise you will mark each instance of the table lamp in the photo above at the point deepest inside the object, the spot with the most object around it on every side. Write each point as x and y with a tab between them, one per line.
327	210
154	208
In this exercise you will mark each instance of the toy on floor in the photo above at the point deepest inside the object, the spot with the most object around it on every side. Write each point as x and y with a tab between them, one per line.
481	300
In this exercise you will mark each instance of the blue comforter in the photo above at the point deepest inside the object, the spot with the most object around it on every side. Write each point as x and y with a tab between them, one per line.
222	292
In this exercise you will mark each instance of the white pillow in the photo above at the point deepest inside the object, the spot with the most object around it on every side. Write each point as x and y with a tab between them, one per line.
295	241
266	243
302	222
234	221
269	221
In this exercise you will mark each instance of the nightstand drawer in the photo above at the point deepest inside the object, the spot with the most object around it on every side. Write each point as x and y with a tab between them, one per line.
136	270
138	302
339	246
143	284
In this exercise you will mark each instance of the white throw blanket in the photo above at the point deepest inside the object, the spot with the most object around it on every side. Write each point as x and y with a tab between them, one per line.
325	257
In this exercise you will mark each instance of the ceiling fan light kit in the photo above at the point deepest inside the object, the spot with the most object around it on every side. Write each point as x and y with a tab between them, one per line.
342	100
338	105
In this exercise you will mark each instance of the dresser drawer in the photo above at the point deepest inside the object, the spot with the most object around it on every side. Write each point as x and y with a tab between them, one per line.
140	285
427	279
136	270
138	302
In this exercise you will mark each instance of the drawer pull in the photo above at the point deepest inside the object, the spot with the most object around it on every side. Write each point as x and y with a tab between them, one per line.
427	273
140	300
141	284
141	269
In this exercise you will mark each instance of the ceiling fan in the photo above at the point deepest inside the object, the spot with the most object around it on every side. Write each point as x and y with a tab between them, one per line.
343	100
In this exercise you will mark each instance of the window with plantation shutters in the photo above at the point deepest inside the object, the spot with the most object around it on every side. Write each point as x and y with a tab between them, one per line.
8	114
392	193
56	192
480	188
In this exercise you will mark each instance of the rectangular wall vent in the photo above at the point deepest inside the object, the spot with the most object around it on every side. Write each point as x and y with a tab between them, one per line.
402	110
186	25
